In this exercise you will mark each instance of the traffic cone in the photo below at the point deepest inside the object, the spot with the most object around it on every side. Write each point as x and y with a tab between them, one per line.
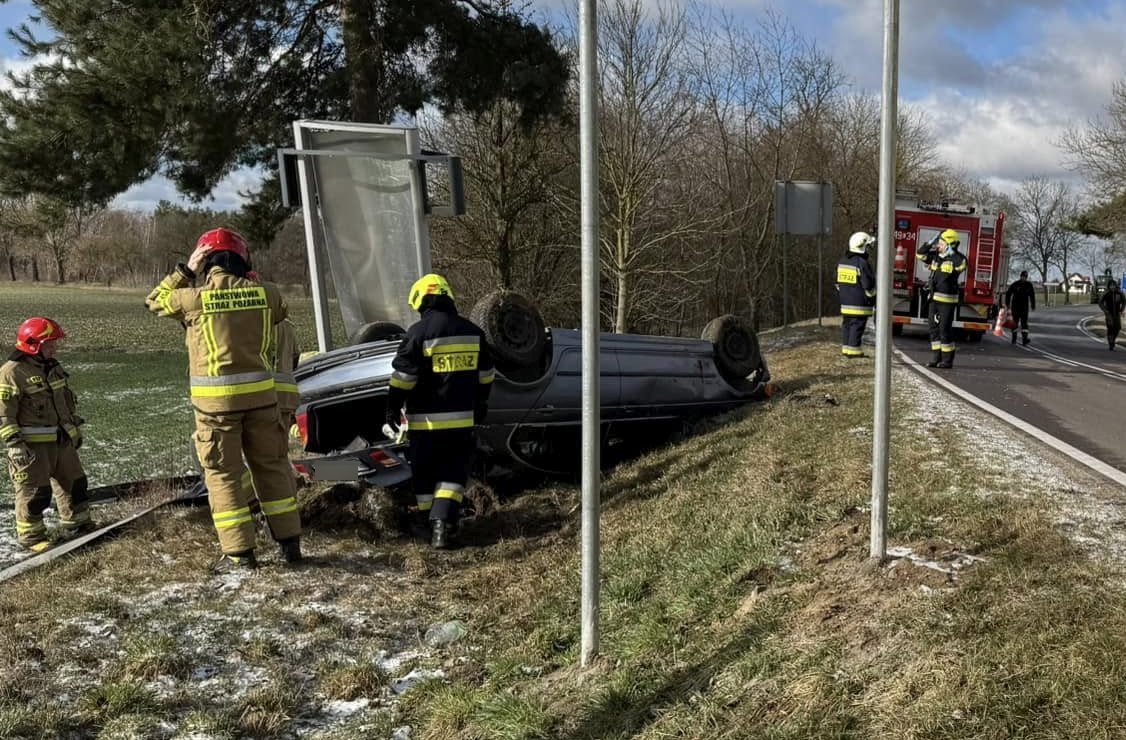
999	327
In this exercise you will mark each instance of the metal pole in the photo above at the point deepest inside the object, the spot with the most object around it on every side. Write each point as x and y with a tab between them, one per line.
785	279
885	256
591	474
820	274
311	208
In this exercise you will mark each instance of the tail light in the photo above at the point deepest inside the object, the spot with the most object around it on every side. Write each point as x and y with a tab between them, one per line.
303	427
382	458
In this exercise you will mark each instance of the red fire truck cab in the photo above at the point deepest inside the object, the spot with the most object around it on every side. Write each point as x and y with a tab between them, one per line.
981	232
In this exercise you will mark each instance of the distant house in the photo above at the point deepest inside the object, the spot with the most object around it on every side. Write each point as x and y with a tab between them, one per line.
1077	284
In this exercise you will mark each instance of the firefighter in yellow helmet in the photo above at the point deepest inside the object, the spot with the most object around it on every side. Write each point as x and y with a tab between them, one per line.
231	321
42	432
443	372
946	265
856	288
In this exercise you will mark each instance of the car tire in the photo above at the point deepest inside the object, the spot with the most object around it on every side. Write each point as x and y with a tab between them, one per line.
513	328
377	331
735	346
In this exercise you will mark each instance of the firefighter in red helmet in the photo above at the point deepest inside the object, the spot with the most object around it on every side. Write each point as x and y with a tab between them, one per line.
231	319
41	429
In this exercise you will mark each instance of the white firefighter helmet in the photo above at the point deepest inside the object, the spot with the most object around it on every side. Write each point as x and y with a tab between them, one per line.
859	242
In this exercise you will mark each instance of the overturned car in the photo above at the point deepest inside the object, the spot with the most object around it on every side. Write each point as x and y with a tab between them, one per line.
649	386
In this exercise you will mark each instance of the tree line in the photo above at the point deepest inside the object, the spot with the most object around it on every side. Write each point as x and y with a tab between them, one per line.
700	114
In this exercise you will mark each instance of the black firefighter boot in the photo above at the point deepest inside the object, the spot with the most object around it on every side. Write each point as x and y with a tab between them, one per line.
1024	337
936	359
291	549
441	534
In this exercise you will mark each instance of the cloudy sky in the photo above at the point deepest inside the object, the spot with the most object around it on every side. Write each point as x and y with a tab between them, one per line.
1000	79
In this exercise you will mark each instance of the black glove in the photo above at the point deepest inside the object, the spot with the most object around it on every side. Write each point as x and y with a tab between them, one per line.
394	417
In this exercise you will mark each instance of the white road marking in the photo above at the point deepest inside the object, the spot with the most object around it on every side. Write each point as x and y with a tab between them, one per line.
1057	444
1075	363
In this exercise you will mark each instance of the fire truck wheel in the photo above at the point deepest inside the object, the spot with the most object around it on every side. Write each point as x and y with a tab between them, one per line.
513	328
735	346
377	331
973	337
897	330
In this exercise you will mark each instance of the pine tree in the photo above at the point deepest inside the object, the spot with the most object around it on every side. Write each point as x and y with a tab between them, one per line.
195	88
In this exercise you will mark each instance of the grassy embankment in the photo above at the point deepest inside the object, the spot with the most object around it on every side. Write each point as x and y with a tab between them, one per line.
736	603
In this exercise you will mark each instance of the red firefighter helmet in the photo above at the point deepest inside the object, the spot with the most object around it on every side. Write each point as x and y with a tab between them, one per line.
36	330
224	240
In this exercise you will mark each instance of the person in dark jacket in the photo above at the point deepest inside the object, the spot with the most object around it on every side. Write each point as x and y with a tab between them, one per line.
1112	302
443	372
856	286
946	264
1020	298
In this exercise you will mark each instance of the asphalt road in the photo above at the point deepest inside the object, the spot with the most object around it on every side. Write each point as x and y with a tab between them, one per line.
1065	381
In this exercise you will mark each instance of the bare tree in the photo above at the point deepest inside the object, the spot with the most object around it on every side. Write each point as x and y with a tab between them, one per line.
648	121
1042	208
512	236
1098	256
1099	149
766	95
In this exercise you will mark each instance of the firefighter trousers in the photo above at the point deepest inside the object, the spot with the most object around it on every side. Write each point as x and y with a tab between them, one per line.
942	331
56	461
440	462
1113	326
222	441
1020	318
852	330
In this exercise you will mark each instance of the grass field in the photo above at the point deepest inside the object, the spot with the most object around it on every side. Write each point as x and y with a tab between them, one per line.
737	598
129	369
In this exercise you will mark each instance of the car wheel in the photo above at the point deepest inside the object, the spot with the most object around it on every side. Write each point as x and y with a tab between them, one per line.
377	331
735	346
513	328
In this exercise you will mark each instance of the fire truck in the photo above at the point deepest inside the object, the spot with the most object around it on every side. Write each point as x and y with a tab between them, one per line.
982	284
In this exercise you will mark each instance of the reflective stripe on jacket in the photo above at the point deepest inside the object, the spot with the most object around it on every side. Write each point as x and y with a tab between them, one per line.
856	285
35	401
443	370
230	323
945	272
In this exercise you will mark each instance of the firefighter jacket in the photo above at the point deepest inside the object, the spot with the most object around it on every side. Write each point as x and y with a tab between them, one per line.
856	285
285	341
1020	296
230	324
944	273
443	370
36	404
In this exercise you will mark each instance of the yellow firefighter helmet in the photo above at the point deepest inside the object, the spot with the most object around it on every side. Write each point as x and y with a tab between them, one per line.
431	284
950	237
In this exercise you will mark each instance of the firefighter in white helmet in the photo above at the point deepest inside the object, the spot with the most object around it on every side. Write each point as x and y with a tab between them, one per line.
42	432
231	324
946	264
856	287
